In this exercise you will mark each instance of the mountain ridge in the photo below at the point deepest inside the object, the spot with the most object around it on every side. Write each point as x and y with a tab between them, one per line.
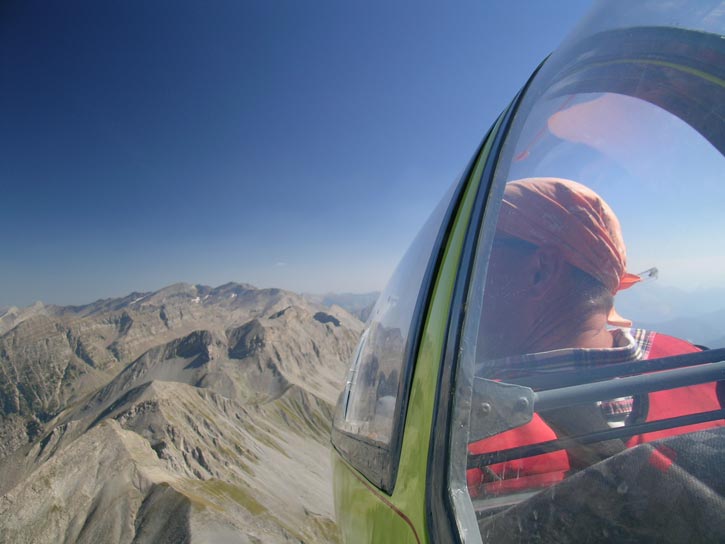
216	386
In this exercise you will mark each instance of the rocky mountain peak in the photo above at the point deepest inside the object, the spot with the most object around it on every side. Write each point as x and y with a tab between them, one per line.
195	395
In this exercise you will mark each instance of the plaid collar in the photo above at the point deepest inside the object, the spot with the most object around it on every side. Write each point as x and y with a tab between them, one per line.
629	345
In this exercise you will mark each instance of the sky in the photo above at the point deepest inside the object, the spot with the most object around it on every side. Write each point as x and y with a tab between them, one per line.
280	143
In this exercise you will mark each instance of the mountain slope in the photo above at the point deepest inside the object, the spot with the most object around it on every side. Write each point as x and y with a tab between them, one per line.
222	431
57	355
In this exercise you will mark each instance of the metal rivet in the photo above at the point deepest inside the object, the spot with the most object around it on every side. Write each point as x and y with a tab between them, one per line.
522	404
485	408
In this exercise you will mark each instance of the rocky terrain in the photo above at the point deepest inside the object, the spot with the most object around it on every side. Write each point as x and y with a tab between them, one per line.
190	414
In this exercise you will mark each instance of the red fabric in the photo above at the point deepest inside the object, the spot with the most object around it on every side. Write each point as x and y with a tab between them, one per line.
682	401
529	472
550	468
662	458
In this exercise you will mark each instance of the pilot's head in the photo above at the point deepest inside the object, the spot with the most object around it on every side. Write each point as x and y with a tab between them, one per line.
557	261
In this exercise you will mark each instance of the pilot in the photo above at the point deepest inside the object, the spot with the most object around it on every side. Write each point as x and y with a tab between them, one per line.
558	259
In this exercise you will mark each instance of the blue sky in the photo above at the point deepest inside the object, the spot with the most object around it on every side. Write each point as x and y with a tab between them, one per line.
280	143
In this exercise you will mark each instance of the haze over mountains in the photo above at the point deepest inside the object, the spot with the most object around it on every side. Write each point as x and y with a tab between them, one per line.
189	414
696	315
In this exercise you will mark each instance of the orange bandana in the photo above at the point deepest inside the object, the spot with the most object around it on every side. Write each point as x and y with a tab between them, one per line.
576	220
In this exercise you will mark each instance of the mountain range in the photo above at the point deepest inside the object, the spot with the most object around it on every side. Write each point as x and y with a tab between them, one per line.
696	315
188	414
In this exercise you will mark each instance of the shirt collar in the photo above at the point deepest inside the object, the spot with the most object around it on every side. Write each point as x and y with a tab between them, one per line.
628	346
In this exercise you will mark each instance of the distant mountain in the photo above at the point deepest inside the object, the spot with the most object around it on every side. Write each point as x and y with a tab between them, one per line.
707	329
13	316
359	305
187	414
697	315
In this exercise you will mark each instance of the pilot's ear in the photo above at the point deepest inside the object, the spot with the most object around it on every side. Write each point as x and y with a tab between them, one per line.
546	272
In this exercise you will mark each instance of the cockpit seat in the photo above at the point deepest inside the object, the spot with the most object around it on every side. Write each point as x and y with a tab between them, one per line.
669	490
